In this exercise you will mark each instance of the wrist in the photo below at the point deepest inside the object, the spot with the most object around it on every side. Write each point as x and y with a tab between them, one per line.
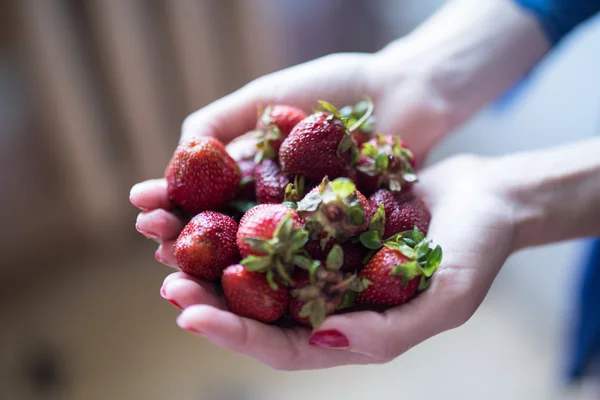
554	194
467	54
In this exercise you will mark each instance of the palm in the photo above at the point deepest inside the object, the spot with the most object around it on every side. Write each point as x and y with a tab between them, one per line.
475	231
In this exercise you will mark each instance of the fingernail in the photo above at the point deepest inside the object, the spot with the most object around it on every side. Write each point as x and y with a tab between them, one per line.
157	255
163	294
147	234
133	202
189	328
331	339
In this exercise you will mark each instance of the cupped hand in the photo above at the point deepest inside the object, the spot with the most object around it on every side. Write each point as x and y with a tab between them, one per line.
472	221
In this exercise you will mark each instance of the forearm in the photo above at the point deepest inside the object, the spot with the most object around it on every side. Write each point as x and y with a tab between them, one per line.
555	192
469	53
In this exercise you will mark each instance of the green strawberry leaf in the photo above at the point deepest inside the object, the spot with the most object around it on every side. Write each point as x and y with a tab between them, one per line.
290	204
335	258
359	285
406	153
382	162
366	108
423	283
417	235
312	270
409	242
433	261
347	144
343	187
378	221
298	240
402	248
260	244
284	229
348	300
310	202
356	214
257	264
407	270
371	240
328	107
271	279
422	248
369	150
302	261
318	312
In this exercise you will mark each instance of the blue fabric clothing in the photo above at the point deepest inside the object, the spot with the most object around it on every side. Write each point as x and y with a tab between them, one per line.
559	17
585	341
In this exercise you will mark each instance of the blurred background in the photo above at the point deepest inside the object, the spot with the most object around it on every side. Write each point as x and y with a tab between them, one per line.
92	95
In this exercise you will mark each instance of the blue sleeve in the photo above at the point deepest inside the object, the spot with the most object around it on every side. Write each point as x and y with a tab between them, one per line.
559	17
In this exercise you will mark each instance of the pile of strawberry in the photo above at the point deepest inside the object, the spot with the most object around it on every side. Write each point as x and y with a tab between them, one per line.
305	216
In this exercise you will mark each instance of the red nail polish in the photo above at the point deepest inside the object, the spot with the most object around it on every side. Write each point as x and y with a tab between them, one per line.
331	339
163	294
174	303
194	330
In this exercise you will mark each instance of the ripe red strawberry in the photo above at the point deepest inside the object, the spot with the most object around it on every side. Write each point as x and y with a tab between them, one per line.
207	245
248	180
335	210
244	147
399	271
361	112
319	146
270	183
275	124
244	150
385	161
202	176
323	290
248	294
271	239
403	211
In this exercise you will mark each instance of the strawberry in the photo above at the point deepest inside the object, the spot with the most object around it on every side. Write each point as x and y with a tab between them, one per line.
400	270
335	210
364	130
202	176
385	161
248	180
275	124
403	211
207	245
319	146
323	290
271	239
244	147
249	294
244	150
270	182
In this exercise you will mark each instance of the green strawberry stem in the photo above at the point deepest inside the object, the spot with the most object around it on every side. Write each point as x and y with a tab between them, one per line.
280	254
423	259
368	113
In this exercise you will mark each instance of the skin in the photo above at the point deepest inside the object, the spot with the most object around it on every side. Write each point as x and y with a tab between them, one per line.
513	201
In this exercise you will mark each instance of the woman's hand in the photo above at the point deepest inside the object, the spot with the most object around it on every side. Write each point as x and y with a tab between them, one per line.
472	221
